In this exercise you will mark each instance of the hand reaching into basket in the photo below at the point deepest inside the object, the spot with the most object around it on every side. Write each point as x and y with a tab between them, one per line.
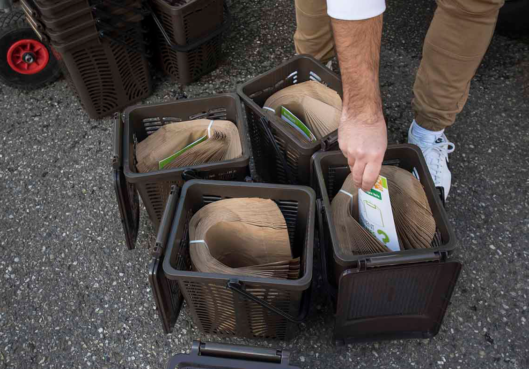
363	141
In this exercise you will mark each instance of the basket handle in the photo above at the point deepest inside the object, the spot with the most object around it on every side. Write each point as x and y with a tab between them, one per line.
236	286
193	44
117	157
260	354
265	123
189	174
167	220
331	290
330	141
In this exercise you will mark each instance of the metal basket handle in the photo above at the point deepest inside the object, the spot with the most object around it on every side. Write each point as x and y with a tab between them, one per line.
193	44
265	123
236	286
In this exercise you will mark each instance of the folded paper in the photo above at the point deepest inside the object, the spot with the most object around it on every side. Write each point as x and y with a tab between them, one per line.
188	143
413	217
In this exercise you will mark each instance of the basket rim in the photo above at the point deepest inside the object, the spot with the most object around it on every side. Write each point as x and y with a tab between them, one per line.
300	284
242	161
308	147
343	259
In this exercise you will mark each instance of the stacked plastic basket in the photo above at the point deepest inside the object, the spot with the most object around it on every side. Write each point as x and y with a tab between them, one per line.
189	36
101	47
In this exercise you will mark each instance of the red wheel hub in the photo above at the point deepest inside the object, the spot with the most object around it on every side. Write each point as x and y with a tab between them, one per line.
28	56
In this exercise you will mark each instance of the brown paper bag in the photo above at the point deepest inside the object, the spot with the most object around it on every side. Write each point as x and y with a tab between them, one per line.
220	141
413	217
316	105
243	236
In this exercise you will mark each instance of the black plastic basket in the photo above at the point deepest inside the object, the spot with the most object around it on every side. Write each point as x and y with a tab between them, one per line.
244	306
154	187
222	356
270	155
392	295
189	36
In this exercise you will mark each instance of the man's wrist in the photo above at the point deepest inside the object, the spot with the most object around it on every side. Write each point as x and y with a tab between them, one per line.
365	115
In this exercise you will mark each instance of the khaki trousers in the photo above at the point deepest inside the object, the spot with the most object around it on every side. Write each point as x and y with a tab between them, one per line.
455	44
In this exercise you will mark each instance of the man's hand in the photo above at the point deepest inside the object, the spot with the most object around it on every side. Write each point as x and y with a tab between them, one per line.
363	141
362	133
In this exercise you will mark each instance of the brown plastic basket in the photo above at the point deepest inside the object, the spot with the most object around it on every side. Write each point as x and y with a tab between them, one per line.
233	305
186	23
140	121
269	160
394	295
107	75
88	28
58	9
55	9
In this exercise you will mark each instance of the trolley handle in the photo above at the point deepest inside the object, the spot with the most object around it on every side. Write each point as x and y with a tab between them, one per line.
193	44
235	286
265	123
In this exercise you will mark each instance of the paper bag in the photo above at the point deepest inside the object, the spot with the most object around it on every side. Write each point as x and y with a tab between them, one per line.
316	105
188	143
244	236
413	217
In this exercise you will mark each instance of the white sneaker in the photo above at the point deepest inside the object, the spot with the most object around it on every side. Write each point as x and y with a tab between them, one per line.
329	64
436	156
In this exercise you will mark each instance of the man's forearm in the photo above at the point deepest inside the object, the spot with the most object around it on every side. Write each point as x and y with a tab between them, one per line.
362	133
358	47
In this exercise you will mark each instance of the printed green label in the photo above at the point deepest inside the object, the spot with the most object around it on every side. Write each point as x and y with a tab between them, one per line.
295	122
384	182
163	163
375	194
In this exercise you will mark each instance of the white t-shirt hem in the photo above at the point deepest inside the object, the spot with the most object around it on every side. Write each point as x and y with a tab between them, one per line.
355	9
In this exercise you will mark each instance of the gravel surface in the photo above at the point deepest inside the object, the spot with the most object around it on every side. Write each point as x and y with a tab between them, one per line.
72	296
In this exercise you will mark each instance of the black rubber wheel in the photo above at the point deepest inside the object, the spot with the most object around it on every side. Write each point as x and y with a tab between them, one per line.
514	16
14	30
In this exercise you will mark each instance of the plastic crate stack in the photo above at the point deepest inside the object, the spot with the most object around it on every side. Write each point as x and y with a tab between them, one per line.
189	36
101	47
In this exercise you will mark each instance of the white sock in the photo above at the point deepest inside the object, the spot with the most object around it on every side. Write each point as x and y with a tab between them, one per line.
425	135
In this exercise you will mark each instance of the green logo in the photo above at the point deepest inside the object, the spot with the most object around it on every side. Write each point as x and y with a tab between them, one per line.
386	237
375	194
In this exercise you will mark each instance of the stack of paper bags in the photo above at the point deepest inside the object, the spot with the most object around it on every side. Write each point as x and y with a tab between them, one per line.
316	105
413	217
188	143
242	236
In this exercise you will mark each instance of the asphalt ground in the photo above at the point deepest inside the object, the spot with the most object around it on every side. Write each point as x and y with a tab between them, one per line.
72	296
